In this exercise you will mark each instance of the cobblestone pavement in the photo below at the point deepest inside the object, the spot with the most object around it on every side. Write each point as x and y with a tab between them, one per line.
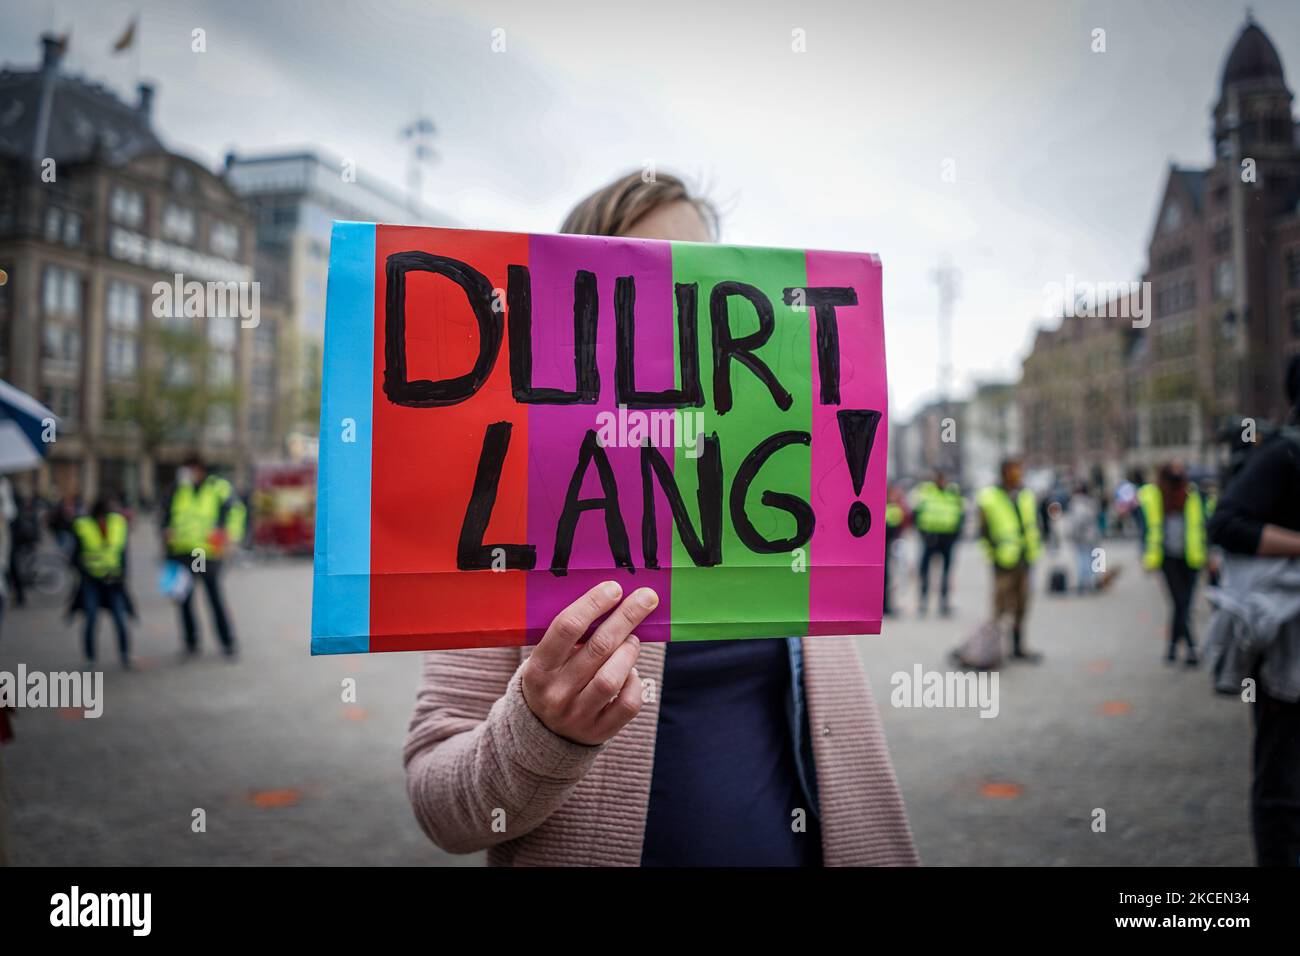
287	773
1101	723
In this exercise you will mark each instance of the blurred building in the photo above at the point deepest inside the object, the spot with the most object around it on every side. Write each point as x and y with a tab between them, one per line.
1078	397
1105	394
933	438
992	433
95	213
295	198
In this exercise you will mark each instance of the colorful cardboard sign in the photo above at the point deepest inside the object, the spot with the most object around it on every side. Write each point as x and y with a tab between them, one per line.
508	420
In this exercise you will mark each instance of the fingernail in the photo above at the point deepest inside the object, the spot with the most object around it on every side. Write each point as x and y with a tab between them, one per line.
612	590
633	639
648	598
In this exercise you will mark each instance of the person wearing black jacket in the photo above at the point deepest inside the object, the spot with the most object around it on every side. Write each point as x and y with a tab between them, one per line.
1259	514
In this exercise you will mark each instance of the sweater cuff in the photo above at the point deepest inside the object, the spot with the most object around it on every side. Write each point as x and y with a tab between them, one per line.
533	746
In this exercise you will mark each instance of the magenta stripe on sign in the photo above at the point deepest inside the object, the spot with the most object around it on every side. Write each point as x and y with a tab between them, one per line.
843	595
555	433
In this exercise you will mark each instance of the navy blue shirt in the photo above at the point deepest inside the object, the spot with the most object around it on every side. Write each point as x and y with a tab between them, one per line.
725	781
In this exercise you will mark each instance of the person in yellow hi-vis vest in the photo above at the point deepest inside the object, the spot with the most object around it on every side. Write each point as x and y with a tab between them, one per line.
895	523
1173	543
1012	541
938	512
100	556
204	521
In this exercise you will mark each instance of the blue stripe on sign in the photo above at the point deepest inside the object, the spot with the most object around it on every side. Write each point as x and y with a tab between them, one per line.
340	610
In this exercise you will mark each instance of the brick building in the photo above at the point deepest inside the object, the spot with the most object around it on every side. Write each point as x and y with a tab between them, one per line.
1224	274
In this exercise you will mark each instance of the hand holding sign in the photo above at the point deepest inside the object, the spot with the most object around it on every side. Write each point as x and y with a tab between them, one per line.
588	692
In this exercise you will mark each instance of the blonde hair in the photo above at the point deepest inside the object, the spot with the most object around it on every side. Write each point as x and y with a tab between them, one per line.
616	208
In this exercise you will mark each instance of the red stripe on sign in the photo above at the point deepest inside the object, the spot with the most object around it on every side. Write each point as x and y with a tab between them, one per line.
425	458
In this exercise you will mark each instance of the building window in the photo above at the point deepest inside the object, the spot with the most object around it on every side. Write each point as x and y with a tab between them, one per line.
222	331
178	224
1172	218
1222	283
122	306
122	314
121	355
182	181
263	376
1293	269
72	229
62	292
60	344
62	226
223	240
178	372
1221	241
126	207
119	407
221	369
221	422
264	339
62	400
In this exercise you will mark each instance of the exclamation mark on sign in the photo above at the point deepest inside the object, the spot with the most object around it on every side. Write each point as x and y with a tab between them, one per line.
858	432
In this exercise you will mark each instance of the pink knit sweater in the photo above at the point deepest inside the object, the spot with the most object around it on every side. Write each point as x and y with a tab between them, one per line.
483	771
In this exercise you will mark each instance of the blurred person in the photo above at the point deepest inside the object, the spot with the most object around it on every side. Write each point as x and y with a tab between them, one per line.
1012	542
938	512
896	519
25	530
1173	543
100	556
1257	523
8	511
1214	560
204	522
1084	531
65	511
738	735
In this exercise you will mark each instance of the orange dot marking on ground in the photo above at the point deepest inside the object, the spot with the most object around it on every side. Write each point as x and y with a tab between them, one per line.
1098	666
1001	790
356	713
1115	708
71	713
270	799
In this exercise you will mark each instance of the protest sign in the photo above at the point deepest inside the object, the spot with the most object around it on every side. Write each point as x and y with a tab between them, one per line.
508	420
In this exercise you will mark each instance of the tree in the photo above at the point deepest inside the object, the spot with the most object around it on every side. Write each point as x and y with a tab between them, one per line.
175	400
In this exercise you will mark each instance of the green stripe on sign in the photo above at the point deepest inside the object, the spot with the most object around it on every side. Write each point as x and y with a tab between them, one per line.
762	592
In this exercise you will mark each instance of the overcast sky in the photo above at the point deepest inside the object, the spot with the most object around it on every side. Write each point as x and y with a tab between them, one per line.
1060	153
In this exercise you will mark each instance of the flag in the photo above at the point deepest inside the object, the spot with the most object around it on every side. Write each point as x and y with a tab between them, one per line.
127	38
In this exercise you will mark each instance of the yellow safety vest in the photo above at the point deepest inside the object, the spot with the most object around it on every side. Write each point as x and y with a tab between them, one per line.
101	553
938	510
1009	543
196	512
1153	514
893	515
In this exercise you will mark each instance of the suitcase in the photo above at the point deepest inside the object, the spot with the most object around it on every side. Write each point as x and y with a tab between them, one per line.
982	650
1058	582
